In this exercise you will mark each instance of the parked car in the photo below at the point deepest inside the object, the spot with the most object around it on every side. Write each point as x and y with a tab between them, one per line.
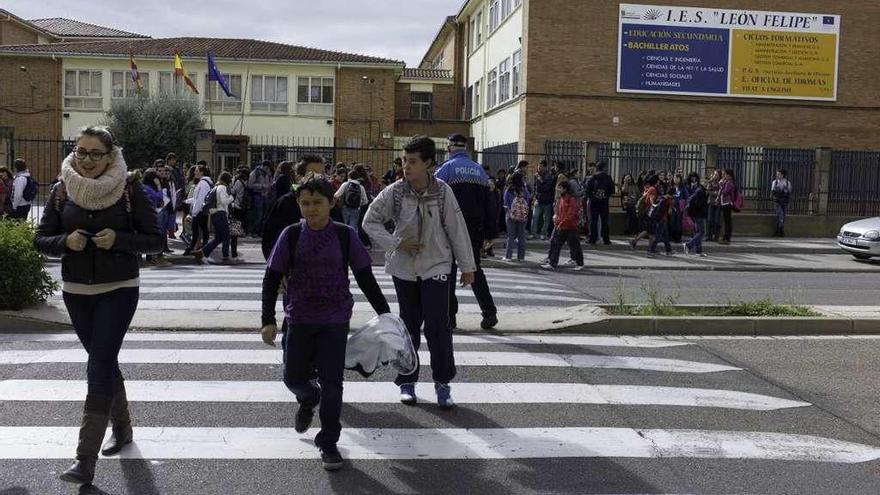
861	238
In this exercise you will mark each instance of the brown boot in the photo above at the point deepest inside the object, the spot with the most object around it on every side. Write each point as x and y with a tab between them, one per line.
120	420
96	416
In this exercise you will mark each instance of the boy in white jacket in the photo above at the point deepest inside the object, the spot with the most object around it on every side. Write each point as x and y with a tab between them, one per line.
429	233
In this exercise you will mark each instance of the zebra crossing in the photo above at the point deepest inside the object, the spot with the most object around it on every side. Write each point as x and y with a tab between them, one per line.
520	397
239	288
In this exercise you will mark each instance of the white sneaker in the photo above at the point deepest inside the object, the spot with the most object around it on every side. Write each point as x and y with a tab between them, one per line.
703	255
570	263
548	266
685	249
506	259
579	268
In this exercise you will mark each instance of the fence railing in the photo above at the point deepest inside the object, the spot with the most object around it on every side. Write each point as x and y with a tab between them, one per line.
855	183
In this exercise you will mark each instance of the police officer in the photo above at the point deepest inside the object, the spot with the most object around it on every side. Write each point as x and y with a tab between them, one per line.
470	183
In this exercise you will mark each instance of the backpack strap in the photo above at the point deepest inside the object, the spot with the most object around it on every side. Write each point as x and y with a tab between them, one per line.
292	241
344	234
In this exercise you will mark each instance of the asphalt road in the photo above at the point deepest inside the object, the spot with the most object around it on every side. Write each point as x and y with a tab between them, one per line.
647	441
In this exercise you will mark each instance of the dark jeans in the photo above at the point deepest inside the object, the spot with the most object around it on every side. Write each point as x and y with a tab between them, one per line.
714	222
661	234
542	220
559	238
516	236
632	222
699	233
20	213
480	285
727	213
599	211
221	234
427	302
321	348
199	230
781	210
101	322
257	213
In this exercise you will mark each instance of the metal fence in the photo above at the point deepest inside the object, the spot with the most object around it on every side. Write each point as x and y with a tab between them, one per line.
855	183
755	168
633	158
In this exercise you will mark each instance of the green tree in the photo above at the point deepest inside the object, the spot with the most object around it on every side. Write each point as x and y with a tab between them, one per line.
23	277
150	127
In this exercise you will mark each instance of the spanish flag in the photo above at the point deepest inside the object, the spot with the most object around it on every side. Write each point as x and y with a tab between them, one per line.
178	69
135	75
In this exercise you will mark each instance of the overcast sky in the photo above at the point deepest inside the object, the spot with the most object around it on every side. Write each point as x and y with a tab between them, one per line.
396	29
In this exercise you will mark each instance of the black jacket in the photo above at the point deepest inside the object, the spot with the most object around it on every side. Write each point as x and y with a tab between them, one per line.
283	213
137	232
545	189
600	187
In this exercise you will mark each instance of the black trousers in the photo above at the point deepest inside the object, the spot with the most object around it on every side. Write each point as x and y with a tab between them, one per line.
101	322
317	348
199	228
480	285
427	302
561	237
727	214
599	212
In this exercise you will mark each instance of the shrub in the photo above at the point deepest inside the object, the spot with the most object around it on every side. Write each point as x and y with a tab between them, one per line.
23	278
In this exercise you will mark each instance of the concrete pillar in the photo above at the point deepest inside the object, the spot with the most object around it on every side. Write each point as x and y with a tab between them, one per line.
6	135
205	147
822	180
711	159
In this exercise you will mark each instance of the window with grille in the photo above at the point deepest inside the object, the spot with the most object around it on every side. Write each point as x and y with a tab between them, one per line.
216	99
420	105
269	94
82	89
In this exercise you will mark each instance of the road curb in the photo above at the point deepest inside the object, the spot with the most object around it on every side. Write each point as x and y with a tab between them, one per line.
27	324
736	326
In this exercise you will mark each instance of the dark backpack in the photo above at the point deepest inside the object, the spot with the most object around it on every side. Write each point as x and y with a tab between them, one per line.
698	204
30	189
658	209
210	200
342	230
245	202
352	198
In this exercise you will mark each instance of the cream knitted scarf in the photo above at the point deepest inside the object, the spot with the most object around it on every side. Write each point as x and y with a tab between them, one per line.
99	193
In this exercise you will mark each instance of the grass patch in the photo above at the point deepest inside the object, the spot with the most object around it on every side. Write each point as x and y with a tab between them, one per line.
766	308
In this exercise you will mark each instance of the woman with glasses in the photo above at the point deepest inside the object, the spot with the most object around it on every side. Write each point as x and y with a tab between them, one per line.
98	225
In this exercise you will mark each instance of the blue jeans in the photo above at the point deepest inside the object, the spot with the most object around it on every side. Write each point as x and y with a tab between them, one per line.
101	322
317	348
542	220
781	209
427	302
351	217
221	234
258	212
661	234
516	233
599	212
699	233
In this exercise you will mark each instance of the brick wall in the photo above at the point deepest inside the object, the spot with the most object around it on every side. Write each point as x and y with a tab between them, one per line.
444	111
355	124
571	67
33	112
12	33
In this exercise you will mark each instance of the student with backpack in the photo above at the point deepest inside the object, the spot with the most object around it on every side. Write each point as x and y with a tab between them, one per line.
565	223
238	210
516	204
599	189
659	206
217	204
314	257
429	233
24	191
353	197
204	185
731	201
698	210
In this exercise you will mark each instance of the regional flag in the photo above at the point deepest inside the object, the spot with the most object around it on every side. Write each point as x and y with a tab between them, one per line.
178	69
135	75
214	74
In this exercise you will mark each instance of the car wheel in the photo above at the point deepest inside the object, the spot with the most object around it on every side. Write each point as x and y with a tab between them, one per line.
862	256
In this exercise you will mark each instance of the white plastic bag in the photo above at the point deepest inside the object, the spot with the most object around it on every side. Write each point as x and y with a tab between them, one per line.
383	341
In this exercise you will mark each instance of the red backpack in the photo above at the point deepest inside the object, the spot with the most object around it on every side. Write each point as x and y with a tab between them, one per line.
739	202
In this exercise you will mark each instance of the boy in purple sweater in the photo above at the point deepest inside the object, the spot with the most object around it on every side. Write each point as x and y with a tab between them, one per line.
314	257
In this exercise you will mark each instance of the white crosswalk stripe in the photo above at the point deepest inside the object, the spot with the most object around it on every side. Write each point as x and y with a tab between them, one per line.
635	359
218	288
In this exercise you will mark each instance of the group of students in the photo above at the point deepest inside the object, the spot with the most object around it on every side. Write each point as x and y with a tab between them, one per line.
18	191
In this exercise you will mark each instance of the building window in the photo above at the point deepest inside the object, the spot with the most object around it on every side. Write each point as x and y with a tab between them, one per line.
516	3
504	81
171	84
124	87
505	8
517	73
492	89
82	89
479	29
477	92
493	15
217	101
469	103
315	90
420	105
269	94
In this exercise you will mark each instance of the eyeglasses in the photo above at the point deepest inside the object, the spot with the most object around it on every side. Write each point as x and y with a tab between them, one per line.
82	153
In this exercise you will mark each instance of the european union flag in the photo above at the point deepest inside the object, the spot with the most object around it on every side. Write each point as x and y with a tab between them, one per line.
828	20
214	74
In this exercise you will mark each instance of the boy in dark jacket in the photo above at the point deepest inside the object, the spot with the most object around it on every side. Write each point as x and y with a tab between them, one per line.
599	189
314	256
698	210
